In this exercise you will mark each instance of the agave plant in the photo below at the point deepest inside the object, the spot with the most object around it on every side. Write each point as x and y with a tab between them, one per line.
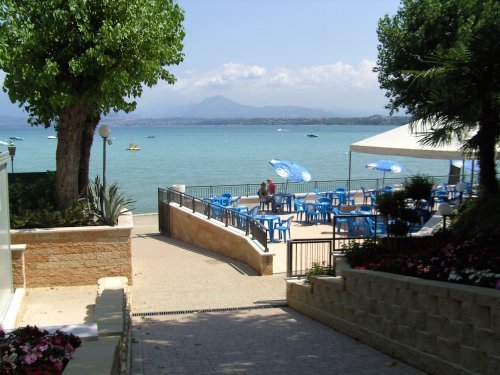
106	204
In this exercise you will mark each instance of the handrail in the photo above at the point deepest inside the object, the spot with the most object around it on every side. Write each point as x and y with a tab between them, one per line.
247	190
225	215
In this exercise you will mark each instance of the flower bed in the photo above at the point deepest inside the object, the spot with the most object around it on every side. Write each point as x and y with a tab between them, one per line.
474	262
29	350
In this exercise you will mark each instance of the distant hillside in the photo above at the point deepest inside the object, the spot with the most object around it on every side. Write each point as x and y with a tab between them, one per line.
222	108
371	120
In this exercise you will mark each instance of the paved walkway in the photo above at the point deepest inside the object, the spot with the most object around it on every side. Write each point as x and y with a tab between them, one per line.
198	312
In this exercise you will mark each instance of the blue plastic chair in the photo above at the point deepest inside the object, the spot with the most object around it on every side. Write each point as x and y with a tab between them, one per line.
340	221
341	194
311	213
366	195
326	210
283	227
253	211
265	201
299	208
277	203
232	201
217	211
378	229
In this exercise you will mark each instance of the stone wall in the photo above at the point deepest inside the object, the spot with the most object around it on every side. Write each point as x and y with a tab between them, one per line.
439	327
211	235
73	255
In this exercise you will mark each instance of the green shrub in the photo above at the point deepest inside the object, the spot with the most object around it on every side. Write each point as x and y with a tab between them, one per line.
319	269
362	254
105	205
419	187
478	216
32	204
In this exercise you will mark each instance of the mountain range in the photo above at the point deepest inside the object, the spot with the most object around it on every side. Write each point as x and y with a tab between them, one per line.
220	110
223	108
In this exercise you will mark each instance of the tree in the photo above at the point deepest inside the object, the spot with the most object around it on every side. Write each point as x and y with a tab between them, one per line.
438	59
68	62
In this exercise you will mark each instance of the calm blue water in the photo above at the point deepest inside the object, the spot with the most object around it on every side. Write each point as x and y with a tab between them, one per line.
210	155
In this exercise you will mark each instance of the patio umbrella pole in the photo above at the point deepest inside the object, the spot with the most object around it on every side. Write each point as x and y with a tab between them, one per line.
349	176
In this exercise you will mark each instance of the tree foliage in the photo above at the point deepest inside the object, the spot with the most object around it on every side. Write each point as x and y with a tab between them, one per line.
68	62
438	59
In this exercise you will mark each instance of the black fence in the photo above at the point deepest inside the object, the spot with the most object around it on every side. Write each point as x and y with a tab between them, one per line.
246	190
226	215
304	254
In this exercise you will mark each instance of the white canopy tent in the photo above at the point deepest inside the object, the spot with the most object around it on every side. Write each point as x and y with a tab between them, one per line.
402	142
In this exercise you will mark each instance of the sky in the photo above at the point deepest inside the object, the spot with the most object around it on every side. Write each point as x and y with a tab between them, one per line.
314	54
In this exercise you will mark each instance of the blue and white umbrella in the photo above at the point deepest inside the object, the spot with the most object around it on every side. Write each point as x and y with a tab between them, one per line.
385	166
291	171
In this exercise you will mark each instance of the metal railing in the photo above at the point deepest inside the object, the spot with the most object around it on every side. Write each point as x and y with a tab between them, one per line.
247	190
304	254
226	215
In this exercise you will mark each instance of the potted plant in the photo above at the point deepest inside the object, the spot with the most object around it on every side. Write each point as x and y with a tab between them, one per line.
30	350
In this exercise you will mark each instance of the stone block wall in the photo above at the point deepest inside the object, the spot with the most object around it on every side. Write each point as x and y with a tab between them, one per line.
73	255
441	328
209	234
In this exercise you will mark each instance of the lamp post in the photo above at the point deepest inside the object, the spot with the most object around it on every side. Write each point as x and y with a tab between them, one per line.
445	210
12	151
104	132
460	188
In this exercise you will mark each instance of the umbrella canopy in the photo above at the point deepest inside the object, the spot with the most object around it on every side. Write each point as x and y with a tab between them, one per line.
291	171
385	165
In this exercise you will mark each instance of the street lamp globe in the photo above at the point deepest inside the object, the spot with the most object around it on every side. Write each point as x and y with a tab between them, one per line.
104	131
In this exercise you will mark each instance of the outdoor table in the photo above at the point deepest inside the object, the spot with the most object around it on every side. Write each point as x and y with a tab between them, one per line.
221	200
239	208
269	219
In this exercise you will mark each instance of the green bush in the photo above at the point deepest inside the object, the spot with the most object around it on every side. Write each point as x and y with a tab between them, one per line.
319	269
362	254
32	204
478	216
419	187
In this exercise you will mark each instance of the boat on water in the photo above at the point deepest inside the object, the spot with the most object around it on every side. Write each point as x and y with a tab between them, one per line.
52	137
311	135
16	138
133	147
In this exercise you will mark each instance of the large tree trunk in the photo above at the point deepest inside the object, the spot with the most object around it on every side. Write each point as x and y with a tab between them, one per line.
87	138
487	137
69	138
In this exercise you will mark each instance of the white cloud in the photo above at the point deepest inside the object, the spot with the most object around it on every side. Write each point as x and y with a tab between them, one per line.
229	73
234	75
338	86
